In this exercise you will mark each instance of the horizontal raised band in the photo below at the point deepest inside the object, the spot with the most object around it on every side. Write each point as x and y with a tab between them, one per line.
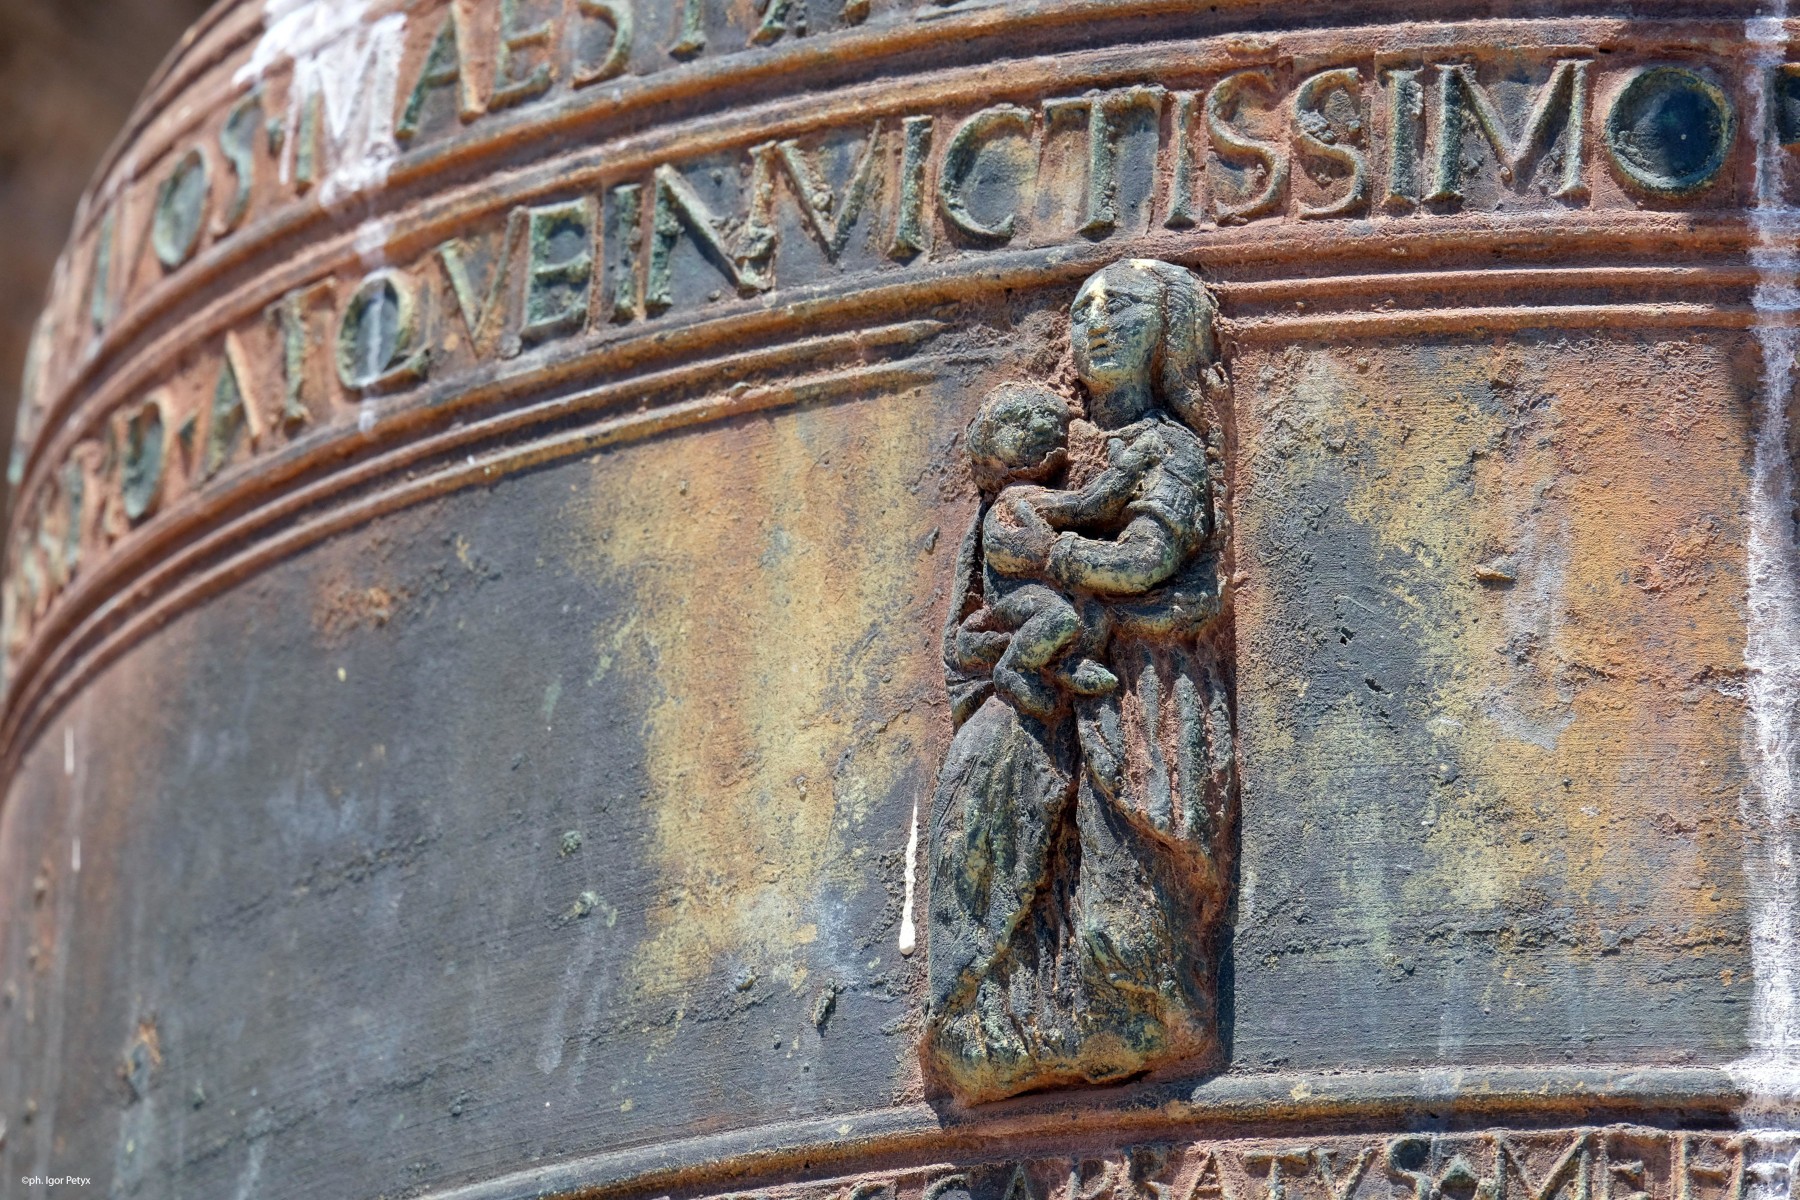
1285	1108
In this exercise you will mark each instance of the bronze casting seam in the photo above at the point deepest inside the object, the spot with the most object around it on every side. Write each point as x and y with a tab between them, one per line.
1672	315
968	84
1271	292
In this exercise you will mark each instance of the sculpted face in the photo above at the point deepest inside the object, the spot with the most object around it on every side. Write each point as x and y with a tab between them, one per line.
1117	323
1020	433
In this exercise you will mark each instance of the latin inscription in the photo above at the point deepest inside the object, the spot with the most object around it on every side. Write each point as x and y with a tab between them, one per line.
1264	142
1607	1163
1367	140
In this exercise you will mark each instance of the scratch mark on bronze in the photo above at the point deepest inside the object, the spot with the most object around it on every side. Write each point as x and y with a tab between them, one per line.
346	78
909	936
1771	1072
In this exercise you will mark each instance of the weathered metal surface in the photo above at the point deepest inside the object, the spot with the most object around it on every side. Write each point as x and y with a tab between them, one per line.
490	507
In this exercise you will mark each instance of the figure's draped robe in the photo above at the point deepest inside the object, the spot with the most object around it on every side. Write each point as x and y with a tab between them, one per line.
1079	867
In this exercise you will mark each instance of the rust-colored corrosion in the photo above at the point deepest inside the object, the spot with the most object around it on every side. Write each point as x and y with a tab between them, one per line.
971	601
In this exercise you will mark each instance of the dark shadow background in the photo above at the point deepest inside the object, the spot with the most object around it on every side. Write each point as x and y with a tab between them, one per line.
69	73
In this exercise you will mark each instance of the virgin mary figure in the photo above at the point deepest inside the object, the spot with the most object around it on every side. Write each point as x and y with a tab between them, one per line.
1082	855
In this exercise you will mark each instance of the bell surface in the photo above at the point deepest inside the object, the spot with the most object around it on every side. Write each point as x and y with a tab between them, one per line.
898	600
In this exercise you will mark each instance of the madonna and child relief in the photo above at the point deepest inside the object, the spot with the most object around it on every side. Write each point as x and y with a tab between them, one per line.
1084	822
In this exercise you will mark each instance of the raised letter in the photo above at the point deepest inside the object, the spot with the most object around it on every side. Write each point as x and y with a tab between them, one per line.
1233	147
65	551
443	68
1019	1186
909	219
293	313
679	208
100	283
1183	210
1575	1166
306	142
1103	153
1687	1169
237	142
480	313
774	21
690	30
180	209
616	13
377	332
1784	104
1278	1162
830	229
1342	1190
560	266
146	441
508	88
959	160
31	400
1209	1181
1312	129
233	411
1100	1187
1404	1156
1458	91
1670	130
625	237
1406	109
943	1185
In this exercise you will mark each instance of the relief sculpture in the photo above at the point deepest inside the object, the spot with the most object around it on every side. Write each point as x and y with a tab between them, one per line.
1084	825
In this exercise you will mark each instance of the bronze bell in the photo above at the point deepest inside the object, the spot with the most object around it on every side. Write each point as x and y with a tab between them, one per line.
915	601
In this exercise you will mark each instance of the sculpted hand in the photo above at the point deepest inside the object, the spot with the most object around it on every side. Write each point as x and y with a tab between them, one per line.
1063	563
978	648
1032	532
